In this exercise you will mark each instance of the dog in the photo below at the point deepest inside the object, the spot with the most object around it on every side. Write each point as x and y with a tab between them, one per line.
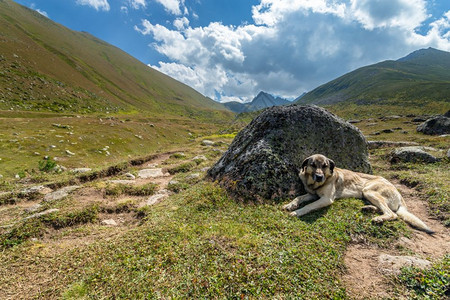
325	183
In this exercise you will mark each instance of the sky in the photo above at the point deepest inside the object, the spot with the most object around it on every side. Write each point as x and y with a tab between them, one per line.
230	50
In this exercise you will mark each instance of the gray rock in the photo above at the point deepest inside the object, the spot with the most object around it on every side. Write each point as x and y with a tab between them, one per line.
38	189
81	170
264	159
43	213
389	264
193	176
109	222
32	208
435	126
200	158
207	143
152	200
61	193
448	153
131	176
411	154
152	173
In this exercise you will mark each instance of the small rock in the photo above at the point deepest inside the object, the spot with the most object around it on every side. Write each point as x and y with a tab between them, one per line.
200	157
207	143
155	199
32	208
131	176
1	176
61	193
81	170
173	182
43	213
152	173
448	155
387	131
109	222
354	121
411	154
389	264
68	152
36	153
193	176
38	189
139	136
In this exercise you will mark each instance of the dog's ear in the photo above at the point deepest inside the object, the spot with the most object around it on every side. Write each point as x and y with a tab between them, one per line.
304	163
332	165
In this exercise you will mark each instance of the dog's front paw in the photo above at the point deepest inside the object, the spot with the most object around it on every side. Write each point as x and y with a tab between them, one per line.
288	207
293	214
377	220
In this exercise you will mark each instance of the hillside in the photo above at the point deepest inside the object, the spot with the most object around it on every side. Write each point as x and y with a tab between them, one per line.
46	66
421	78
262	100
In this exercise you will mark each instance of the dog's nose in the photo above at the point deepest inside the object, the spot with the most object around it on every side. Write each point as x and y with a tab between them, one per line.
319	177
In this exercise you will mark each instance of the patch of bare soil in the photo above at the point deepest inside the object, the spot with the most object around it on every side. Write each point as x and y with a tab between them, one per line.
364	278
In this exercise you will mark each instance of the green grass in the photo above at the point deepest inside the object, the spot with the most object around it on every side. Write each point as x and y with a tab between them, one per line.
433	283
204	245
35	227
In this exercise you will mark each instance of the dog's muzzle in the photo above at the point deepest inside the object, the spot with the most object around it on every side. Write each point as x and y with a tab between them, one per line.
318	178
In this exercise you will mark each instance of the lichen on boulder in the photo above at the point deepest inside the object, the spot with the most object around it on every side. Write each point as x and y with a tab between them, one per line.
263	161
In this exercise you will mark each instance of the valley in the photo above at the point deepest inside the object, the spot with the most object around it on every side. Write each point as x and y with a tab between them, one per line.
104	190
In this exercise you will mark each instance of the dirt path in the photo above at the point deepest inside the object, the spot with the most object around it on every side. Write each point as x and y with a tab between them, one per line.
364	278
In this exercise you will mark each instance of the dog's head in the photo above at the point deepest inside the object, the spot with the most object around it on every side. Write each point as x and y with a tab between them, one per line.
317	169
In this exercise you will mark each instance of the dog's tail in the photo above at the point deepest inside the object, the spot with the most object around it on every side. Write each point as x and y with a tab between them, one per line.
411	219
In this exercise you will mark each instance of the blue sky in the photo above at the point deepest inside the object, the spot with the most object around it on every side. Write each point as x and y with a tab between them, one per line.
232	49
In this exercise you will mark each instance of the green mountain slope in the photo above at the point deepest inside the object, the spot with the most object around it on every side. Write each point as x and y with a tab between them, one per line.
45	66
421	78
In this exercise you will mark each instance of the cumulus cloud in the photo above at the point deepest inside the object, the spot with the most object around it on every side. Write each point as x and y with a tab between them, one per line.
97	4
173	6
293	45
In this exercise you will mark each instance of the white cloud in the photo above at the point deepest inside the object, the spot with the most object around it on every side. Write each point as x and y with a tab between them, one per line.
97	4
181	23
136	4
293	45
407	14
44	13
173	6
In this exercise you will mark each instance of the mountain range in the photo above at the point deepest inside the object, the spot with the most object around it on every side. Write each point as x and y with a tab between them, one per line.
261	101
420	78
46	66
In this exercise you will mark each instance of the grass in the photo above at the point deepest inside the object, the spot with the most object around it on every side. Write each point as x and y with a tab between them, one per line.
433	283
203	244
200	243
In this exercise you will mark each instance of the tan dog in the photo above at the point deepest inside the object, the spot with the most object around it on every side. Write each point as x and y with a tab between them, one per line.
325	183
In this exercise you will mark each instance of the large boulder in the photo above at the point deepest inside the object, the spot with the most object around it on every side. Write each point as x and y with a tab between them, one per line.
264	159
436	125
